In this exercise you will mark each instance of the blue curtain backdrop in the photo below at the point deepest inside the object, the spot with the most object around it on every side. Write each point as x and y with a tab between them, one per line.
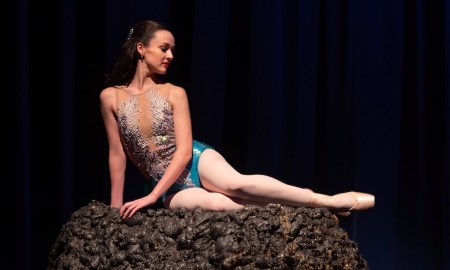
329	95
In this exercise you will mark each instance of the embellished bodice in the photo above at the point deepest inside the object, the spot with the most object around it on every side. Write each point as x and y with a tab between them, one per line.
146	128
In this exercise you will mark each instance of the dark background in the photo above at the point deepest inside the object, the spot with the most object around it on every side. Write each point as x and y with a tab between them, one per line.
328	95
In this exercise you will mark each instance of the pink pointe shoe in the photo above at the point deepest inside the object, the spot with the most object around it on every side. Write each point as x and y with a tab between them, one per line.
344	203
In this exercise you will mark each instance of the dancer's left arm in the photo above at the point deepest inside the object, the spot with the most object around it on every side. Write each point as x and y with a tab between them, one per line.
183	140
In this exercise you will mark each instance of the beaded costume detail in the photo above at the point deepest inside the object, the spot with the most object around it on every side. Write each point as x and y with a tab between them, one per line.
147	132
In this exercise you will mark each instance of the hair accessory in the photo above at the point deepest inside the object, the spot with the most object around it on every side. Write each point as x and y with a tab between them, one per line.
130	33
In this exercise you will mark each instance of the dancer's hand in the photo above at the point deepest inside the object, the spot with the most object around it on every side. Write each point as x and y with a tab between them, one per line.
130	208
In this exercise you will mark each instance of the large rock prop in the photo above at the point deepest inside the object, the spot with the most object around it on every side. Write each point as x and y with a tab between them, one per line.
271	237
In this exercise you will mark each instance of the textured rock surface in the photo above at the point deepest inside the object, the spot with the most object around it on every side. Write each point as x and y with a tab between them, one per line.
272	237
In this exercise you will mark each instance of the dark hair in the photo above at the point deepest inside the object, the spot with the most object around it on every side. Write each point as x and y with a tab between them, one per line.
123	70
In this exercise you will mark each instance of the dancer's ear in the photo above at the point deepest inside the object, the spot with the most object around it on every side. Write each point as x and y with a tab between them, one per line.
140	48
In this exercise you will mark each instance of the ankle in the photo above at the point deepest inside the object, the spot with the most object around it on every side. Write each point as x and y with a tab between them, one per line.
320	200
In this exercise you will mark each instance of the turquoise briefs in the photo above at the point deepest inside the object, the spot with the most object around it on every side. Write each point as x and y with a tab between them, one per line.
192	167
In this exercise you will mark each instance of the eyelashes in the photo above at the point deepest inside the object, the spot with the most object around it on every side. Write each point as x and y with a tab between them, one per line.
165	49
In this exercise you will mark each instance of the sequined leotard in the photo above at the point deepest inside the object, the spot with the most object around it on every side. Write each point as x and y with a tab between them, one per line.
147	132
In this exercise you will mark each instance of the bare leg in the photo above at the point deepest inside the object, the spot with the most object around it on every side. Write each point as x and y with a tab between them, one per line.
198	197
218	175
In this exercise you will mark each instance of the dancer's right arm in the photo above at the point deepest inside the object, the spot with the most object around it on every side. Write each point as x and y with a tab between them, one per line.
117	156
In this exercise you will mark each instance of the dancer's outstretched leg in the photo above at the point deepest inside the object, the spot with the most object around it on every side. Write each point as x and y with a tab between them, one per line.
218	175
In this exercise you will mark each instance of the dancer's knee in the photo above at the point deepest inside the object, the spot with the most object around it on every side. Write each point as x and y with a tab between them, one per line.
230	185
222	203
237	184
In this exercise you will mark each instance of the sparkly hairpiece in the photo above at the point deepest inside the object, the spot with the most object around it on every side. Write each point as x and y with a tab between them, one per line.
130	33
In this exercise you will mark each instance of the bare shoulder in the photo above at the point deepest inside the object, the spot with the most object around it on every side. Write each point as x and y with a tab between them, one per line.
108	97
108	93
176	92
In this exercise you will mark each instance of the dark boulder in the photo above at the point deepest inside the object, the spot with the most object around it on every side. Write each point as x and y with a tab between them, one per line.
272	237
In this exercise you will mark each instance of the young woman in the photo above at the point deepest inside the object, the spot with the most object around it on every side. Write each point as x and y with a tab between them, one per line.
148	121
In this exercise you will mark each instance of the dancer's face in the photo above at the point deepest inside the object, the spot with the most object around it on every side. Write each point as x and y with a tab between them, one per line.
159	53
